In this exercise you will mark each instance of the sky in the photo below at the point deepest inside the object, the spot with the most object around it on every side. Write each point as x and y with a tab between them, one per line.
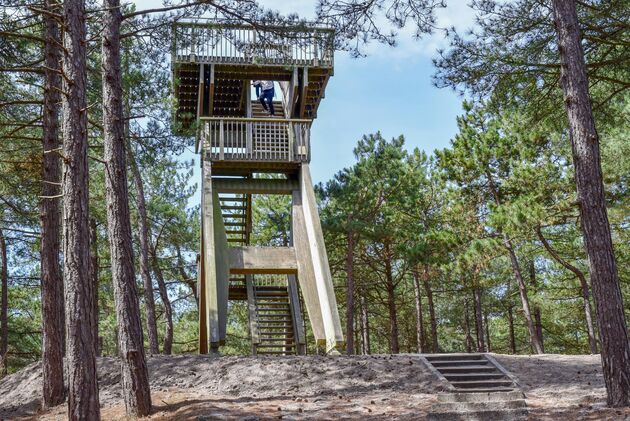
389	91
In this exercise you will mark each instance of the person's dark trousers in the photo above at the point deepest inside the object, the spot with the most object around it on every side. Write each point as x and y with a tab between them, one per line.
260	98
267	97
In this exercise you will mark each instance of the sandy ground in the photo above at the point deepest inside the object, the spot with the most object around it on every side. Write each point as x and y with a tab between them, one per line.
557	387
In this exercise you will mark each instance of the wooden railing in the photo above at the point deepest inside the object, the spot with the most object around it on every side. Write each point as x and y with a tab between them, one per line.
210	42
256	139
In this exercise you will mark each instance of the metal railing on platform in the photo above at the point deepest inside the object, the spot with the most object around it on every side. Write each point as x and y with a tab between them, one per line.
210	42
256	139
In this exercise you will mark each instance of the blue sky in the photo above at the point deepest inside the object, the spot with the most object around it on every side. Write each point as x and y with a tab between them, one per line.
389	90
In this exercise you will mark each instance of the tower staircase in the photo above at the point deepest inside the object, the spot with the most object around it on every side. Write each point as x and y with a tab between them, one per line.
241	145
275	319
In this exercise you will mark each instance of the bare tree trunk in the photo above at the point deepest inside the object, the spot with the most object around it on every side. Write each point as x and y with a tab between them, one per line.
168	311
80	348
516	268
427	288
511	330
539	328
365	325
134	373
487	326
481	345
615	349
469	340
350	294
420	339
145	272
391	305
53	331
4	308
586	294
94	273
537	316
185	276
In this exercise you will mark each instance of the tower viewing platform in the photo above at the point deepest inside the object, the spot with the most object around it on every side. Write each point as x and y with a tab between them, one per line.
213	67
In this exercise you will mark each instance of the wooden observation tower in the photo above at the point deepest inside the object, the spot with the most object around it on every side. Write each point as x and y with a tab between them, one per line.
213	66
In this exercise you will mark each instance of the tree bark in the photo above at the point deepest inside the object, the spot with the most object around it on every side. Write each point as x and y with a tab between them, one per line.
53	331
511	330
83	401
537	316
487	326
365	326
481	345
518	274
615	349
420	339
427	288
185	276
350	294
586	293
134	373
145	271
94	274
469	340
391	304
167	348
4	308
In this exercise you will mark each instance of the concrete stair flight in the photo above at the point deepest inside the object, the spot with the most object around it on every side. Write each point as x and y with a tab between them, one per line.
479	389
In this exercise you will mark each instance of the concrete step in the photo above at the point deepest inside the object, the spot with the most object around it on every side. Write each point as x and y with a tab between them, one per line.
478	406
487	384
480	396
453	357
467	369
461	363
519	414
453	377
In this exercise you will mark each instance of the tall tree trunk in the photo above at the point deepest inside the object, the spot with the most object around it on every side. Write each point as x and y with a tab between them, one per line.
391	304
427	288
4	308
487	326
511	330
365	325
192	283
518	274
586	294
615	349
420	339
53	331
350	293
145	271
94	273
134	373
481	345
537	316
83	401
469	340
168	311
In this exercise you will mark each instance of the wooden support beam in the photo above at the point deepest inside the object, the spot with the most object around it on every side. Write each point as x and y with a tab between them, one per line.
254	185
211	92
314	271
200	91
216	261
252	260
303	92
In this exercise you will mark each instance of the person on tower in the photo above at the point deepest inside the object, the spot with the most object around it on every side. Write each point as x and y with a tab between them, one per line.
258	85
268	93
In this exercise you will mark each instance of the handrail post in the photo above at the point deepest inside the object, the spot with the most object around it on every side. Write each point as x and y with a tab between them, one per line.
291	140
221	140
